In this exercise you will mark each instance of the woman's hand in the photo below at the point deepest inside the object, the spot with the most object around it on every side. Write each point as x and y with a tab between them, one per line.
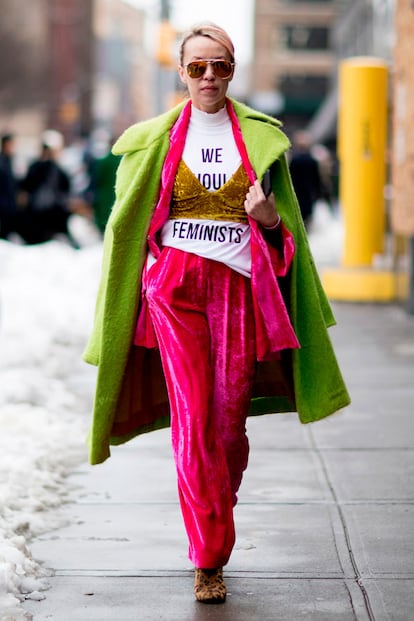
261	208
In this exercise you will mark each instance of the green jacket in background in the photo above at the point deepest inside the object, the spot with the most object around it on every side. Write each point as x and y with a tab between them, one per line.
131	396
104	176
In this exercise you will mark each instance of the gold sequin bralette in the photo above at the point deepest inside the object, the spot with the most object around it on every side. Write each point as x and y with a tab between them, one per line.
192	200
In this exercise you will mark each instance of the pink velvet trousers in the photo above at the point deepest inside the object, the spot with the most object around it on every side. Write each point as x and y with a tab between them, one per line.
202	315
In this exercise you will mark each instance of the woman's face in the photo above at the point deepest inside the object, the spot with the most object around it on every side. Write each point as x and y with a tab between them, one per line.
207	93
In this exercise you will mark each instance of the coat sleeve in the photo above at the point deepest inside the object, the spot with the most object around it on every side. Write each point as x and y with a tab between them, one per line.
91	353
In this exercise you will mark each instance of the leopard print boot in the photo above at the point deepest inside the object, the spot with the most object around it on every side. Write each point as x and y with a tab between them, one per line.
209	586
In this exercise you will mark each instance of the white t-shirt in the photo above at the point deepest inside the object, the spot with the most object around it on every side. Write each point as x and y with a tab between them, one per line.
211	154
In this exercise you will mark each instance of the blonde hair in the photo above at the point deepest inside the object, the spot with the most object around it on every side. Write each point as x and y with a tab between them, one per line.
212	31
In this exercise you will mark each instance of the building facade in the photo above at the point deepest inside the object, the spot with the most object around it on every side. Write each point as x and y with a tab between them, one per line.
293	59
69	66
77	65
123	89
402	158
297	47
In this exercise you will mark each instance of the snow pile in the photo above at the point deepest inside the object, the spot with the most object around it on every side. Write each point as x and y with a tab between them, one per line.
47	295
326	235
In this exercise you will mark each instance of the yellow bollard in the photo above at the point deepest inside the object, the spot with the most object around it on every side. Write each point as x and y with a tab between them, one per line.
362	147
362	135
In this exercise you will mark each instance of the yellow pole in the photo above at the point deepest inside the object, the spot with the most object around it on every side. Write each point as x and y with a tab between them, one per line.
362	135
362	140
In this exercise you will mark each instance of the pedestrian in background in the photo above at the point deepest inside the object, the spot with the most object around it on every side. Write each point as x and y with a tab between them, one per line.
306	178
47	187
8	188
209	306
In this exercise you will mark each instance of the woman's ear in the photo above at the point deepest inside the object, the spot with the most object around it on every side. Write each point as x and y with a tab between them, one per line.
182	74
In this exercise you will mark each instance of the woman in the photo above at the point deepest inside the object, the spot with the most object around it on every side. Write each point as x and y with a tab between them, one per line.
210	307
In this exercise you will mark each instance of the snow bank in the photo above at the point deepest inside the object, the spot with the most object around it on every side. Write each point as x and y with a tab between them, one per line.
47	295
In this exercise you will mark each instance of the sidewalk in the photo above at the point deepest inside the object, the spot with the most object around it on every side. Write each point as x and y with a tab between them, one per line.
325	521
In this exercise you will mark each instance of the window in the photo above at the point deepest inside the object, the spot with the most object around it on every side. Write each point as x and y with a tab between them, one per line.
305	37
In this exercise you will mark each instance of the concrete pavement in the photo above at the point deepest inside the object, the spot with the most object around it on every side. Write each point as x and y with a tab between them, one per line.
325	520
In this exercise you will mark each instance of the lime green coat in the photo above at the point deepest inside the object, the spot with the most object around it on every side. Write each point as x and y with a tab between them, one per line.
130	394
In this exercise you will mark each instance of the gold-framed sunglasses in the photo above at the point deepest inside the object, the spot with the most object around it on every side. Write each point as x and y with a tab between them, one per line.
222	68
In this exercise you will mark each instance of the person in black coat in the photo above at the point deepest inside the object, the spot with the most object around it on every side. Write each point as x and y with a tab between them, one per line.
47	187
8	188
304	170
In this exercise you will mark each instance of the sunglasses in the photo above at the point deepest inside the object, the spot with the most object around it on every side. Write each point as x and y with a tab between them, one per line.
222	68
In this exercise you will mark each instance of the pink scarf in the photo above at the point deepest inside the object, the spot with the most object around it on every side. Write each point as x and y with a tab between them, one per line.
274	330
